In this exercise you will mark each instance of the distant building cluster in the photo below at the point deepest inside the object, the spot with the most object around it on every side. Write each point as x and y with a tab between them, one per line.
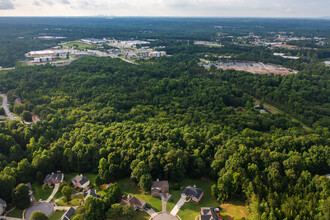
93	41
207	43
51	37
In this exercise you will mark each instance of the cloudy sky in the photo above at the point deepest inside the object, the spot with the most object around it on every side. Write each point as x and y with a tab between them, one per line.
218	8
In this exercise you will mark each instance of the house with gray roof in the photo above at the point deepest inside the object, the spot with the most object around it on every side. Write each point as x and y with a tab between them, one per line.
80	181
192	192
54	178
91	192
68	214
210	213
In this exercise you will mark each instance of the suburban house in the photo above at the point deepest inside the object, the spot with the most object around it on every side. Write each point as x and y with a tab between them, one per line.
192	192
68	214
54	178
133	201
159	187
210	214
3	206
80	181
91	192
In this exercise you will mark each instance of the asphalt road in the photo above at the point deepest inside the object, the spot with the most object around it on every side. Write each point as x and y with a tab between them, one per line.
5	106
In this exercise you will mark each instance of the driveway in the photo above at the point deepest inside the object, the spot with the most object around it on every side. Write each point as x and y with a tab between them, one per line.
178	206
150	212
53	193
44	207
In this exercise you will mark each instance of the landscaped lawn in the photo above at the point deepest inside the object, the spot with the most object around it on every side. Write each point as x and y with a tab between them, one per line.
38	193
190	209
16	213
75	201
56	215
129	188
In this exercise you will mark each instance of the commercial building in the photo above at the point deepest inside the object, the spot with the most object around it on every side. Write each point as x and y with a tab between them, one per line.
42	53
157	54
42	59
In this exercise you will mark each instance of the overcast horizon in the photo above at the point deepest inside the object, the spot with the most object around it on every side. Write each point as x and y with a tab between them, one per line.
166	8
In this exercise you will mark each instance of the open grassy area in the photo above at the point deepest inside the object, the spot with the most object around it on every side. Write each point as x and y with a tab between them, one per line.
39	193
16	213
56	215
75	201
81	46
128	187
234	209
190	210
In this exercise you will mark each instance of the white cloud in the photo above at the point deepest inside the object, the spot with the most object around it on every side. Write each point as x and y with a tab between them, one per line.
6	5
232	8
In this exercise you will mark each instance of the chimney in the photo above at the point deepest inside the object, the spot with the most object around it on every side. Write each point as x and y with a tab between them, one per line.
195	186
157	180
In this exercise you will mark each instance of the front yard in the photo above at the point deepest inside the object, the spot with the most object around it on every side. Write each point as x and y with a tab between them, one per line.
130	188
75	201
190	209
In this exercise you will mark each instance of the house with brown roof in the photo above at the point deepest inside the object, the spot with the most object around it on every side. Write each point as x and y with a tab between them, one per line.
133	201
192	192
159	187
210	214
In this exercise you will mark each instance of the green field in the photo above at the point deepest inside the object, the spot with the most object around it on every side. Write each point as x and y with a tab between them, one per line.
56	215
81	46
38	193
129	188
75	201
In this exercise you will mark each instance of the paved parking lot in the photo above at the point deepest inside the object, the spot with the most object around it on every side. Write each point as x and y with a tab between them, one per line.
46	208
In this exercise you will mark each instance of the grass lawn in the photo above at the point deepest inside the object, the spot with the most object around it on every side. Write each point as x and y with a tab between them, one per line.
16	213
39	193
81	45
129	188
190	210
234	209
56	215
57	195
75	201
138	215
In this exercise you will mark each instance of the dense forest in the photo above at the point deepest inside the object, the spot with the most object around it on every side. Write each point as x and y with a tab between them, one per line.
171	118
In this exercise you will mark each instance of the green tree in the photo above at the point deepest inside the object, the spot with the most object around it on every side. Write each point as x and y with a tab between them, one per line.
18	109
67	192
21	196
27	116
145	182
38	215
115	211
